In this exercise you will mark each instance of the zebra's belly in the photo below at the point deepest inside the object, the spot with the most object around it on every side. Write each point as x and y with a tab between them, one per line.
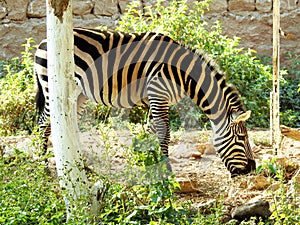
126	97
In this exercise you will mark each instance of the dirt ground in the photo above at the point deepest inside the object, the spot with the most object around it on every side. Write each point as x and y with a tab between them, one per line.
198	169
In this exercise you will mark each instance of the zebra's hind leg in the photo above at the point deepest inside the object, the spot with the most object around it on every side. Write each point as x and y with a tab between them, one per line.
45	134
44	131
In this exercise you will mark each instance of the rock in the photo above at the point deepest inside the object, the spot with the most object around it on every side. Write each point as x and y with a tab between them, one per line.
187	185
3	12
36	9
218	6
82	7
14	34
123	5
15	12
106	7
274	187
287	5
259	209
196	155
259	183
241	5
201	148
263	5
205	207
290	132
206	149
5	20
289	167
256	32
185	150
210	150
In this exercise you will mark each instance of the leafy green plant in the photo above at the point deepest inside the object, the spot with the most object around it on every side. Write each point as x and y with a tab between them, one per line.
293	64
28	195
186	24
268	168
284	205
17	109
146	197
214	215
289	92
286	201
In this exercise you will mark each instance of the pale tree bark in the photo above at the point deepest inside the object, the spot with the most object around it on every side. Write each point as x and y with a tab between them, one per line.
275	113
63	94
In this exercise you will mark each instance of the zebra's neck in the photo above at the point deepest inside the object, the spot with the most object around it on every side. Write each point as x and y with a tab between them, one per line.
207	87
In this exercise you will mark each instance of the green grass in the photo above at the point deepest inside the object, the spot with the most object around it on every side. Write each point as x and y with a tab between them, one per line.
27	194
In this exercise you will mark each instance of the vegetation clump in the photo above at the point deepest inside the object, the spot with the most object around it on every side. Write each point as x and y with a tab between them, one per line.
17	108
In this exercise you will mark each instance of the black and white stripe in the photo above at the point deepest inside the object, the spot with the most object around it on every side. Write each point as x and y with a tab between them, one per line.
126	69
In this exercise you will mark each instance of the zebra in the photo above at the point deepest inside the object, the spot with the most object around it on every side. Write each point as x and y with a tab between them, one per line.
123	70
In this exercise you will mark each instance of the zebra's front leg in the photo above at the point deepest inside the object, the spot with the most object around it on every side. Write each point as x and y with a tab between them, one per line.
160	113
149	125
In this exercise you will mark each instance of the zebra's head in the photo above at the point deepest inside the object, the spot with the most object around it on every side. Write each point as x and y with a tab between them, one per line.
233	145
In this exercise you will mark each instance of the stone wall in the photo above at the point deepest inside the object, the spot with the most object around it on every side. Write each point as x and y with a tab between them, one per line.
249	19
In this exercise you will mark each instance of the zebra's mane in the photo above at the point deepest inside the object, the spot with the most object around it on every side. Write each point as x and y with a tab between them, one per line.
237	102
210	61
206	57
234	93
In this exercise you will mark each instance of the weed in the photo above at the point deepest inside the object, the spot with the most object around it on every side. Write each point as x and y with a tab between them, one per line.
17	109
285	200
28	195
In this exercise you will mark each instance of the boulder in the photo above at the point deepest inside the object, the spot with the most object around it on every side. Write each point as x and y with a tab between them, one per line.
259	208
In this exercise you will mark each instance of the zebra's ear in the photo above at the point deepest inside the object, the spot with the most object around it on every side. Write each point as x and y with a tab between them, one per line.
243	117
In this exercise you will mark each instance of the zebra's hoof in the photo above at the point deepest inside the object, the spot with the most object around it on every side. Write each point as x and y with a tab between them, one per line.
169	167
168	164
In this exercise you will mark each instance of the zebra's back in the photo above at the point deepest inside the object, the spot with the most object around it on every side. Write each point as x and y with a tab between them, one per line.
113	68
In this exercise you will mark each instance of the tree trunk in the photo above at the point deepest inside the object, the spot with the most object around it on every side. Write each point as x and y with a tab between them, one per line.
63	94
275	119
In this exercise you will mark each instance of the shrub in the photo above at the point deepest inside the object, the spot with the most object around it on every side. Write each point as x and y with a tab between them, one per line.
284	206
146	197
185	24
289	91
17	109
290	103
28	194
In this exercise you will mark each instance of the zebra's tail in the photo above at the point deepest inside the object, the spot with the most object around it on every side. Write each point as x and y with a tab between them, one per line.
39	97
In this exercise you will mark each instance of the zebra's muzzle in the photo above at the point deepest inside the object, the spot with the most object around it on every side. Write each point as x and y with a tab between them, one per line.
251	166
